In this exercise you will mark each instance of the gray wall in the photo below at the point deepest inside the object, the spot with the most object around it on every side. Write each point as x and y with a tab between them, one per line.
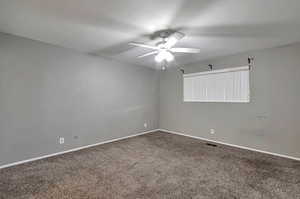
48	91
271	122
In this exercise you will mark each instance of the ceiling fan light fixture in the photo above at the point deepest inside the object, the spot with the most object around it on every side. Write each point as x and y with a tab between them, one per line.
169	57
164	55
158	59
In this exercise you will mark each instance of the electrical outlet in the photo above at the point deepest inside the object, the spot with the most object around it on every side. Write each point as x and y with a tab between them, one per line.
61	140
145	125
212	131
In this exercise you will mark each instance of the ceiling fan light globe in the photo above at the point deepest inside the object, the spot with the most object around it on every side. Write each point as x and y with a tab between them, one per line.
169	56
164	55
170	59
158	58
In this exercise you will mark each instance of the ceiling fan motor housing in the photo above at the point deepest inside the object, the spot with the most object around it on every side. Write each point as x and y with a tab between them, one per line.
164	33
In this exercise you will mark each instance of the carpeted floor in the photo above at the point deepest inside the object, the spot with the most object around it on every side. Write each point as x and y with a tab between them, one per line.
157	165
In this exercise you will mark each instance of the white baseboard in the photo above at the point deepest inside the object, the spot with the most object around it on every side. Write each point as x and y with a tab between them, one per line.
142	133
72	150
232	145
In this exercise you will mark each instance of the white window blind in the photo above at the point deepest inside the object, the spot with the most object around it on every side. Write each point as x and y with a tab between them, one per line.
226	85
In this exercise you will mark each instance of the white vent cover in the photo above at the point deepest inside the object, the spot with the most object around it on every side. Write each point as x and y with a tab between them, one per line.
226	85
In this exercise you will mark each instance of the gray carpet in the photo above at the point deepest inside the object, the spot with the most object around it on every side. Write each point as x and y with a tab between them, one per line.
157	165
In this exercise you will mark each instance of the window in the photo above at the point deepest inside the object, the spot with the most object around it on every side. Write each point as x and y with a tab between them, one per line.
226	85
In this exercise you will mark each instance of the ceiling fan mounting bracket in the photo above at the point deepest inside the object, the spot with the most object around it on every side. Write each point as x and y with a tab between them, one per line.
165	33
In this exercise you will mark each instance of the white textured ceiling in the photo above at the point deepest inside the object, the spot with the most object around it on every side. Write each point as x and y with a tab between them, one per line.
104	27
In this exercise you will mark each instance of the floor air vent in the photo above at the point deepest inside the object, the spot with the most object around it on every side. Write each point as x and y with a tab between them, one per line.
211	144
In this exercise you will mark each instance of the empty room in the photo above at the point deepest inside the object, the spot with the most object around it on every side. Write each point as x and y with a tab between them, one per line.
158	99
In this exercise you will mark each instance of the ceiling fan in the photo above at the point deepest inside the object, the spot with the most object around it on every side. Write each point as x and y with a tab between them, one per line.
164	50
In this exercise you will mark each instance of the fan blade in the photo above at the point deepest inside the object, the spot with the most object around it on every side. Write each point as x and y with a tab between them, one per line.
185	50
143	45
173	39
148	54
